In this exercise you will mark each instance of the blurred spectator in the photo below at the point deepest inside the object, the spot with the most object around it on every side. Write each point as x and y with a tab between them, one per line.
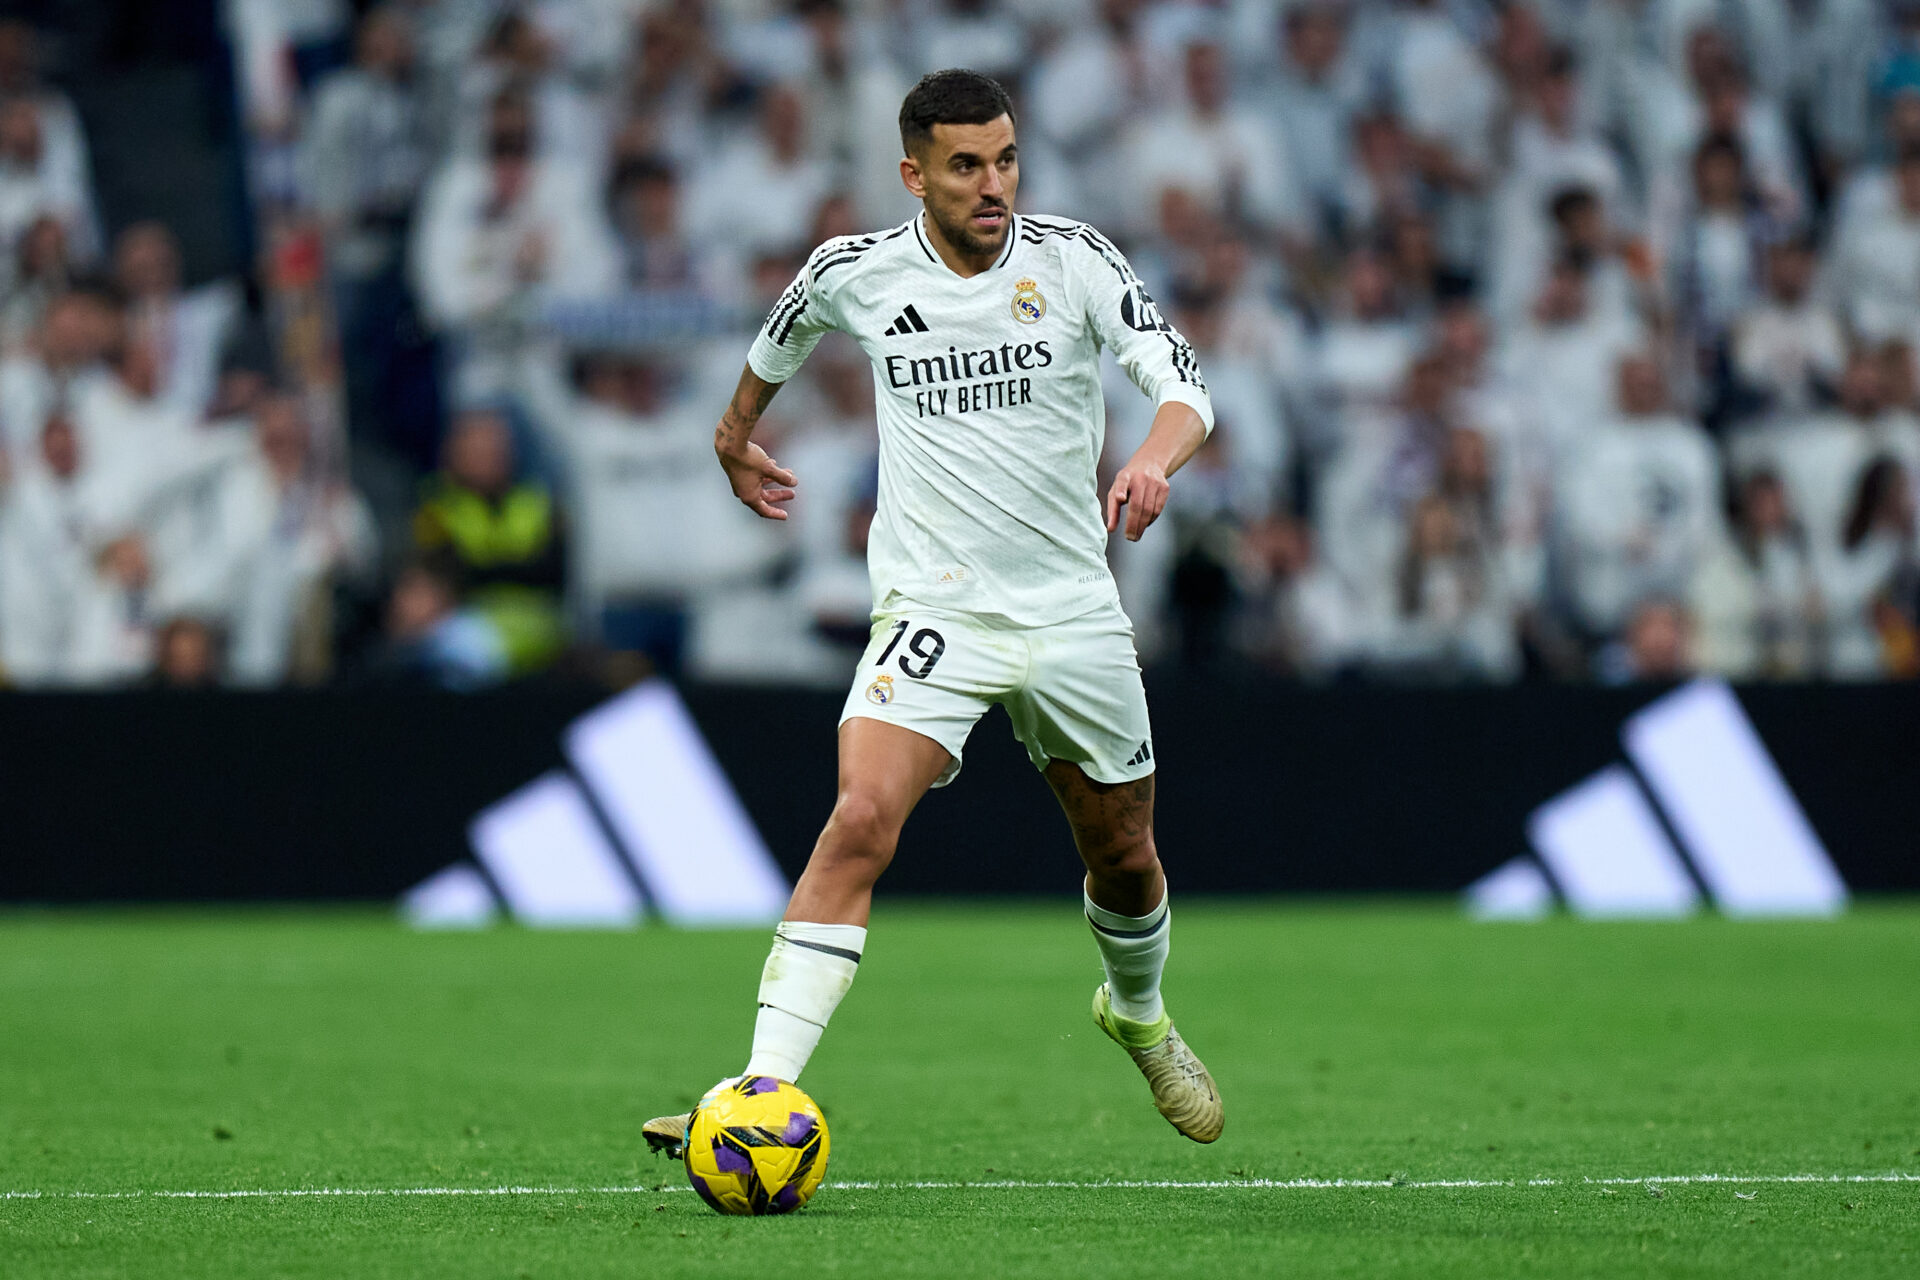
430	640
834	446
1714	254
63	143
1638	504
1871	189
1202	593
185	329
524	54
501	233
1553	144
35	183
1244	392
1381	183
982	34
676	76
1670	117
1363	350
1230	159
71	611
1450	619
1872	587
1567	355
1555	154
1086	88
1447	94
1657	645
655	248
186	655
295	533
41	273
365	161
1876	259
1314	96
1512	449
652	535
501	538
1821	457
1789	349
854	92
1757	597
67	356
777	163
1368	491
366	154
1304	619
1577	228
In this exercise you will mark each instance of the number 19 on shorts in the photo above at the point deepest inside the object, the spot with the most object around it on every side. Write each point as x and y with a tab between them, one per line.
927	645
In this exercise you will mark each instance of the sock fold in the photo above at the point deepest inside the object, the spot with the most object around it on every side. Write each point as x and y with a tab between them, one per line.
1134	951
808	971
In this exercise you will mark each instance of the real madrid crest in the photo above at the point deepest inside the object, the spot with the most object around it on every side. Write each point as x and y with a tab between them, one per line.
1029	304
880	692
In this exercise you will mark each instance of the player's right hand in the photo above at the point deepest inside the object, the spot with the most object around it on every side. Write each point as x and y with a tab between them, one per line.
759	481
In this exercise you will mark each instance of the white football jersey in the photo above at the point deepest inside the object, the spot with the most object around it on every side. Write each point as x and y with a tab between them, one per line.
990	415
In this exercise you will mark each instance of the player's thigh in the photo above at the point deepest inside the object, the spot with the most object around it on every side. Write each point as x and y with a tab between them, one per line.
934	674
1083	702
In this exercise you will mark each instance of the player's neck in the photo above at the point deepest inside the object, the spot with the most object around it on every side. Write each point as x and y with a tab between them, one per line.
960	263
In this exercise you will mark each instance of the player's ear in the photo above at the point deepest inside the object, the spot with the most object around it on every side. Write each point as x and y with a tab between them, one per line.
910	175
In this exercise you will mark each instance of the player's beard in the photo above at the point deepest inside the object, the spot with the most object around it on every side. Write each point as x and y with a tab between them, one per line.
962	237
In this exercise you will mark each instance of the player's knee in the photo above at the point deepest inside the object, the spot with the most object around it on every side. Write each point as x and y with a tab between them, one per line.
863	831
1131	856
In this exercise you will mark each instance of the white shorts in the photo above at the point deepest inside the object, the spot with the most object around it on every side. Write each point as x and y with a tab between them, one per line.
1072	689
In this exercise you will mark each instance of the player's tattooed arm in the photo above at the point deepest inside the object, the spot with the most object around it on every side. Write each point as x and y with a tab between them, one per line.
757	480
1142	485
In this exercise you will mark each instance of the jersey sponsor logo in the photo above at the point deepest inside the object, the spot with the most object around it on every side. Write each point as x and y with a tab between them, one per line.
958	365
1029	304
926	377
906	322
880	692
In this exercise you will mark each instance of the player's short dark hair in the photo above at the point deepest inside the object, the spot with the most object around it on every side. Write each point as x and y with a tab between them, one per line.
953	96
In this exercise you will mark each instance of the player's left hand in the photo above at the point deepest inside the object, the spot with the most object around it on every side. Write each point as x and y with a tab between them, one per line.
761	483
1141	487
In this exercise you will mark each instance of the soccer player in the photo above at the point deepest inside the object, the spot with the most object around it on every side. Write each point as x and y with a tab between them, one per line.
988	561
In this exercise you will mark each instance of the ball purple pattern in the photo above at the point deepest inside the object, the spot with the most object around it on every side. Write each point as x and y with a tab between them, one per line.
763	1084
727	1160
799	1125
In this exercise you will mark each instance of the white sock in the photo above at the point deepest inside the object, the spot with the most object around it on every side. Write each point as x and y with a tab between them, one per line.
809	969
1134	949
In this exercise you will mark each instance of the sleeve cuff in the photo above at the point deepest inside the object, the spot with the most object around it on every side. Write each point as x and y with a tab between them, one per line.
768	362
1191	396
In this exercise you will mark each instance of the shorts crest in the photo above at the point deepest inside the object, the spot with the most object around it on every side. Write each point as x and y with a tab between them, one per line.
880	692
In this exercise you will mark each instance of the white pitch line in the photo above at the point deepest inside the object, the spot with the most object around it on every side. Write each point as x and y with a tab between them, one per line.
1003	1184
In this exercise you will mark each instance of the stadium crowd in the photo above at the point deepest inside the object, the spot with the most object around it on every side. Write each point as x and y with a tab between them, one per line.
1571	339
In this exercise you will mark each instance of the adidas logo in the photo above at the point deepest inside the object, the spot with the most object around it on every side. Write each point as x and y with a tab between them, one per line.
906	322
1144	754
1698	812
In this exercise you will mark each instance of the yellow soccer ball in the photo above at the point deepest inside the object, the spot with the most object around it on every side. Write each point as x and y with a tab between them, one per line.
756	1145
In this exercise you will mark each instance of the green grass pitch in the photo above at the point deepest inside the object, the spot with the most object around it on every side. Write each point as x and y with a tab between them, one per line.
1391	1044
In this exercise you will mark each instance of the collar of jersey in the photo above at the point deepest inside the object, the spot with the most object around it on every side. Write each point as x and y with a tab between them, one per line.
926	247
